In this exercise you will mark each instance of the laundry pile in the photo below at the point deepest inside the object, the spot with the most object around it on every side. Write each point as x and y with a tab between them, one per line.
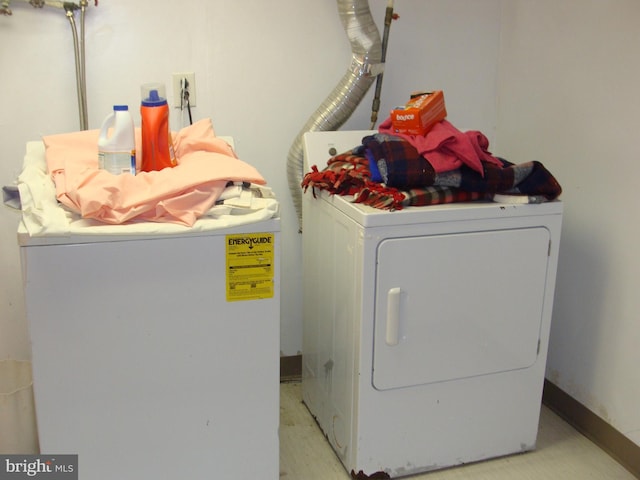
61	191
391	171
206	166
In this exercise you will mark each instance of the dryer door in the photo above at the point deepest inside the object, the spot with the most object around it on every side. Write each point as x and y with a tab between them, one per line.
458	305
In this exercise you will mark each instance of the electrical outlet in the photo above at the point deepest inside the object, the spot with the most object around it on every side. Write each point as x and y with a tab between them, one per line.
177	88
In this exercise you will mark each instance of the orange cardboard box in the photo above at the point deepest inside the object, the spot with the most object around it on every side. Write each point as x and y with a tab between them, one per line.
420	113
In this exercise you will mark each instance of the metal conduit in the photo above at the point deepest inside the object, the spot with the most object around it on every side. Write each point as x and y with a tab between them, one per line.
336	109
78	45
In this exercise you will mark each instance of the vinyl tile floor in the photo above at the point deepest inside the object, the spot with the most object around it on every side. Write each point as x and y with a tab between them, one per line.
562	453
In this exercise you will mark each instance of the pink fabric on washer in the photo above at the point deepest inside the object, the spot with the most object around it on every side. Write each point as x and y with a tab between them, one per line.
181	194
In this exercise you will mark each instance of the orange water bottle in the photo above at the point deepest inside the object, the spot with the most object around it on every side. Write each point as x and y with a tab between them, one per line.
157	147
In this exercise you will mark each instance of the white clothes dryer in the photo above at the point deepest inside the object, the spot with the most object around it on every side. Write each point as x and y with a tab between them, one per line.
426	329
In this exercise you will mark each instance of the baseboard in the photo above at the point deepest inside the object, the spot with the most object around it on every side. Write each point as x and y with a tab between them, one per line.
626	452
291	368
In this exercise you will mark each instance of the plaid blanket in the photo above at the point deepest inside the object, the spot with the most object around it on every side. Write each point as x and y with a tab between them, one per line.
409	179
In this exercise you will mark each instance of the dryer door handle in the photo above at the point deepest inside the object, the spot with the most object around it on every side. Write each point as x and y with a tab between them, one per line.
393	316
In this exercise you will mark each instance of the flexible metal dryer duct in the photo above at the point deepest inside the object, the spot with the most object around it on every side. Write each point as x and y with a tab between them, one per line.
336	109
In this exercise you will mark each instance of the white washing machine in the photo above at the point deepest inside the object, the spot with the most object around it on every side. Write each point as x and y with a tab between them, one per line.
426	329
150	357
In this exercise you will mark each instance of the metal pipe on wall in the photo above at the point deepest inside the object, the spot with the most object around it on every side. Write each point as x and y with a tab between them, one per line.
5	10
78	45
83	79
366	64
375	107
82	113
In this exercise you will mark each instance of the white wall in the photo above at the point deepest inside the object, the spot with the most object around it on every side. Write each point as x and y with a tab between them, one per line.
262	68
569	96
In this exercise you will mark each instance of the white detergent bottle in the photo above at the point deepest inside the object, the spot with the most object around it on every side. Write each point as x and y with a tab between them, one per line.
117	148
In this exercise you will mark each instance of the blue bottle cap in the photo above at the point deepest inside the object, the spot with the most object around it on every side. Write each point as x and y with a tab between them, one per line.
153	100
120	108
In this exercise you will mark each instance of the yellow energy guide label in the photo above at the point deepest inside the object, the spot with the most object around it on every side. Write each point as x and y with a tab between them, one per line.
250	269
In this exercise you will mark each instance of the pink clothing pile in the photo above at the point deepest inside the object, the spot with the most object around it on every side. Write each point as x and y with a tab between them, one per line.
179	195
447	148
